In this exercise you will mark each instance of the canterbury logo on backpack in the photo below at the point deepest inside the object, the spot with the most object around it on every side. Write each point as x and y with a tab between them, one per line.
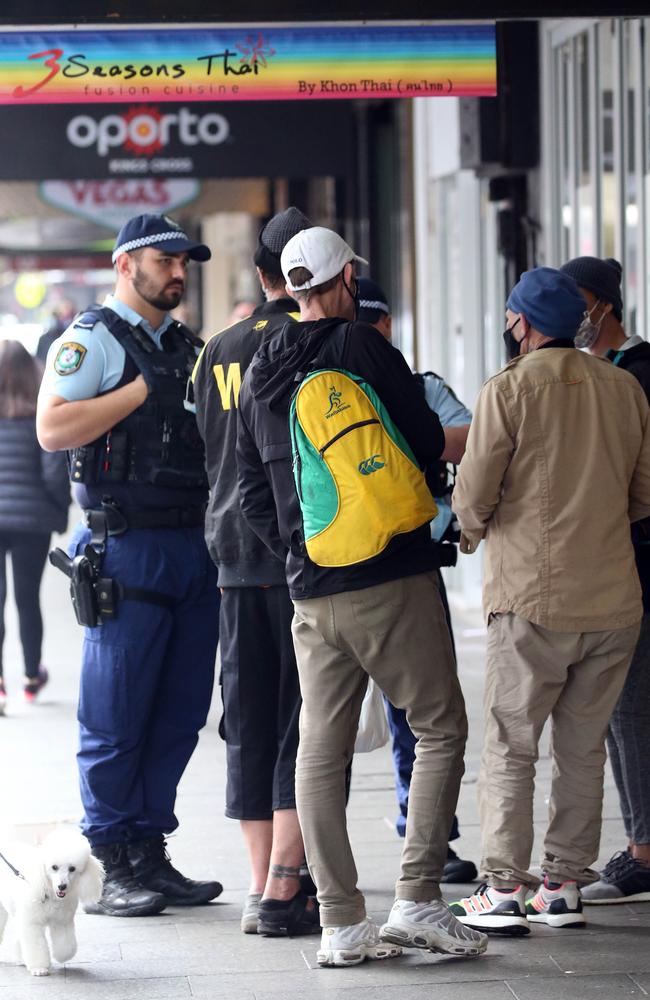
357	479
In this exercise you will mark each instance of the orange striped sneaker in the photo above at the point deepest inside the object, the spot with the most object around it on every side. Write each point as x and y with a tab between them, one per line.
557	904
499	911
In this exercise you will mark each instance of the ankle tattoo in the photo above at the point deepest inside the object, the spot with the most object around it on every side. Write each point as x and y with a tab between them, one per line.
284	871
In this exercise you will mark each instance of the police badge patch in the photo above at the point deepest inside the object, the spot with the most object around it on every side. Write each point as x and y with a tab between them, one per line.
69	358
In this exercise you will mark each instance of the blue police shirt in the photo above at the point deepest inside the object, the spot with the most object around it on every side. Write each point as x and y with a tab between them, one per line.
451	413
94	359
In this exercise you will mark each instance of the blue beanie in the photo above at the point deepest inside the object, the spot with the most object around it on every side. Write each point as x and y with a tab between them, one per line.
550	301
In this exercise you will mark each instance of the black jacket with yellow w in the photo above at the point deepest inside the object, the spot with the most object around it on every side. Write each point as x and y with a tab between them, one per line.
242	559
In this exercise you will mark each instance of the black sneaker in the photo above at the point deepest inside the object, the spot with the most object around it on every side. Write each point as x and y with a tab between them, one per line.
123	895
457	870
307	884
289	918
33	685
624	879
152	866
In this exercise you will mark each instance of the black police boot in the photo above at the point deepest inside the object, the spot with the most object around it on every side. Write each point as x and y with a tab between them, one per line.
458	870
123	894
153	868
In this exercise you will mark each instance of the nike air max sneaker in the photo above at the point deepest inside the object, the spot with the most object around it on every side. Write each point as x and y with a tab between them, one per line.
431	926
351	944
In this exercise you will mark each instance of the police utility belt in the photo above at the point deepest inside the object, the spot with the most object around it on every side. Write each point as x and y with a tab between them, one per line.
95	598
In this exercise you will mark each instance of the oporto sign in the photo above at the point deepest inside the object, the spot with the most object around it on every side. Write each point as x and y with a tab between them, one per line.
235	64
146	130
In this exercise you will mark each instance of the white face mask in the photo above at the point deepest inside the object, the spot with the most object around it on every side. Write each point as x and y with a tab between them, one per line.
588	331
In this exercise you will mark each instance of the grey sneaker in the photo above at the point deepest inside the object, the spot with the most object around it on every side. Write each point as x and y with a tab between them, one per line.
431	926
624	879
351	944
250	913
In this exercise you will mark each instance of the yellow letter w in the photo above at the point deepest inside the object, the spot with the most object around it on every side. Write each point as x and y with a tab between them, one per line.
228	384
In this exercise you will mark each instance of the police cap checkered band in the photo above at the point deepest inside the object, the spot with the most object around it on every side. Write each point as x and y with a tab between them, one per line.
157	231
373	304
372	300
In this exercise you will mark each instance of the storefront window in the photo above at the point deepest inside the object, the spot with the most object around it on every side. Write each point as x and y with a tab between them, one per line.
606	68
632	94
587	242
563	65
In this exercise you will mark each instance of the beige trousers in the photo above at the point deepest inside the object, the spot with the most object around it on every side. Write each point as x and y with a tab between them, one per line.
397	634
533	673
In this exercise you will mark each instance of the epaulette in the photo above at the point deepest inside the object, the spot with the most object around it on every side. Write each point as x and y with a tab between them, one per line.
86	321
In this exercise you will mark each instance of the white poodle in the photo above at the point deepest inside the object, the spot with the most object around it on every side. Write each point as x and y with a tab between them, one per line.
56	876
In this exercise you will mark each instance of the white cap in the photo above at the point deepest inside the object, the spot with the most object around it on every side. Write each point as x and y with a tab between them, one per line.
321	251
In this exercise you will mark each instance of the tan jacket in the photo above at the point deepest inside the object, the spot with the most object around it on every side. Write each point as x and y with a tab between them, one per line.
557	465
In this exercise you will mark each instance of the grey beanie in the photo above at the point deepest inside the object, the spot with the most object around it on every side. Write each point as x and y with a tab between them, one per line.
275	235
601	277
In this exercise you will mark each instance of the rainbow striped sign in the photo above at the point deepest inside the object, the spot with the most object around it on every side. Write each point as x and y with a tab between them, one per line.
247	64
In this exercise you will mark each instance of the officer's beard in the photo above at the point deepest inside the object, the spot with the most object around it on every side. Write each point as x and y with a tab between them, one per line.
165	298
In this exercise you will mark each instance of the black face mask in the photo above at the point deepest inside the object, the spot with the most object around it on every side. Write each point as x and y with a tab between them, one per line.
513	347
353	295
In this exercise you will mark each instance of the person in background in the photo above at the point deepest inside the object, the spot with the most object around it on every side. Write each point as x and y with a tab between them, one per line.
557	466
626	876
455	419
242	309
63	313
34	500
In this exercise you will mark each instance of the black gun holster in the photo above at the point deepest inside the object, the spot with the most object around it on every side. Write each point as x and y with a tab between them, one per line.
96	598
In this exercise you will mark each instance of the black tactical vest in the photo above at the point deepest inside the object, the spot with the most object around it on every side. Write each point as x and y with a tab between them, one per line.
155	456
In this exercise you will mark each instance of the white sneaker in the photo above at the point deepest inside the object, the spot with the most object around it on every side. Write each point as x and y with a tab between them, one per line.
352	943
557	904
432	926
502	911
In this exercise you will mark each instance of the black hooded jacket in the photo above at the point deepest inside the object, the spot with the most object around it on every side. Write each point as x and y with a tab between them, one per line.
267	492
242	559
636	361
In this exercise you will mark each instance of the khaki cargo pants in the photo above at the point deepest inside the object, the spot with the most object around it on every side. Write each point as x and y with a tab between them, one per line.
575	679
397	634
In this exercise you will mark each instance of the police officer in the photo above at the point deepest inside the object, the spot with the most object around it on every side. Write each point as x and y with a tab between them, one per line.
261	693
112	395
455	419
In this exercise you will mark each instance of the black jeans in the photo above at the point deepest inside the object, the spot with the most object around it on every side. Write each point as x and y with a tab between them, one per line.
28	555
628	742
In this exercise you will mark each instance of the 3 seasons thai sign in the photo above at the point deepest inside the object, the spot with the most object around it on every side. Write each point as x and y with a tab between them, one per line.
176	140
241	64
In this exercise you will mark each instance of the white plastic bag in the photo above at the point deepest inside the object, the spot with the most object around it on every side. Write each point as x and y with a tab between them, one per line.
373	731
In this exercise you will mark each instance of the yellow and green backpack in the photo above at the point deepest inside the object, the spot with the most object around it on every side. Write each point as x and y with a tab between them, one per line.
357	479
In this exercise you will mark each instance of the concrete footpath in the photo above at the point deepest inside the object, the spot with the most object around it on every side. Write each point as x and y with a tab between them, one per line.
202	953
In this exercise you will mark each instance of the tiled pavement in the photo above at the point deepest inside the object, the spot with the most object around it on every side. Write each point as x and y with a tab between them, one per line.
201	952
